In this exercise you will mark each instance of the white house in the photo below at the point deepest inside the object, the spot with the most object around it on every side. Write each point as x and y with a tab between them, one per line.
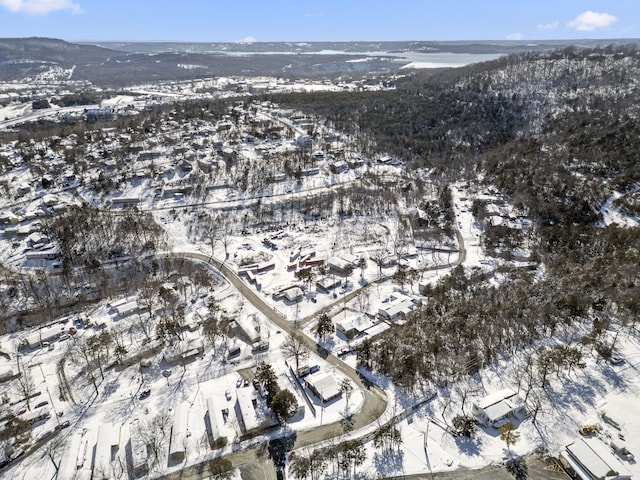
218	439
591	459
294	294
396	308
496	408
353	325
252	411
179	431
108	442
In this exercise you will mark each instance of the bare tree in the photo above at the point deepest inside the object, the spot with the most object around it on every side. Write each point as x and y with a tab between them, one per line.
23	384
296	347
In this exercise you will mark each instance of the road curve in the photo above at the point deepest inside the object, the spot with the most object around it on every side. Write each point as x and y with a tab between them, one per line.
375	400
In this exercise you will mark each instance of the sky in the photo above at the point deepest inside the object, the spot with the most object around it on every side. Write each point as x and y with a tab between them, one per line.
325	20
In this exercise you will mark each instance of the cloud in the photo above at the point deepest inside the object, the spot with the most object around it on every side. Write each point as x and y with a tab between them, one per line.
548	26
589	21
514	36
247	40
39	7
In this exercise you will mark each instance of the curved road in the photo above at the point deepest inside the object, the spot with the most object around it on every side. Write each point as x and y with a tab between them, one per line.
252	461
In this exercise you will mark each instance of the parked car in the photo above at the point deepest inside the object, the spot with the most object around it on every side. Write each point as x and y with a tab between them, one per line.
144	394
63	424
227	395
616	360
166	373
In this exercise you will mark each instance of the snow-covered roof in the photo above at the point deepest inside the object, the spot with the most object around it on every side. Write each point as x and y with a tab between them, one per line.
139	455
377	329
353	322
494	398
213	419
597	459
252	409
324	385
108	437
179	429
294	294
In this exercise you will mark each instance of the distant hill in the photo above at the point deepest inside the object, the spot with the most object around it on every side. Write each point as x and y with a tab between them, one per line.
117	64
17	50
21	58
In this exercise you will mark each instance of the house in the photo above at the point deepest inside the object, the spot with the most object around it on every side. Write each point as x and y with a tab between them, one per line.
396	308
252	411
184	350
591	459
67	467
149	155
37	240
98	114
340	265
353	325
6	373
339	166
304	143
123	201
179	432
9	218
128	308
217	438
43	335
328	283
496	408
106	446
323	385
249	327
355	162
294	294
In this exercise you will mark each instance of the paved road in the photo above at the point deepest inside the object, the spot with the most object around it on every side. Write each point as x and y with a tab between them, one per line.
537	469
375	400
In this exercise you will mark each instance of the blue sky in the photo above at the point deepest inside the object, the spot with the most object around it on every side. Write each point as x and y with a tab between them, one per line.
339	20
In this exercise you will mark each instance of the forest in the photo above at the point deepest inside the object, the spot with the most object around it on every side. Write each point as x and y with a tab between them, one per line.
557	134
